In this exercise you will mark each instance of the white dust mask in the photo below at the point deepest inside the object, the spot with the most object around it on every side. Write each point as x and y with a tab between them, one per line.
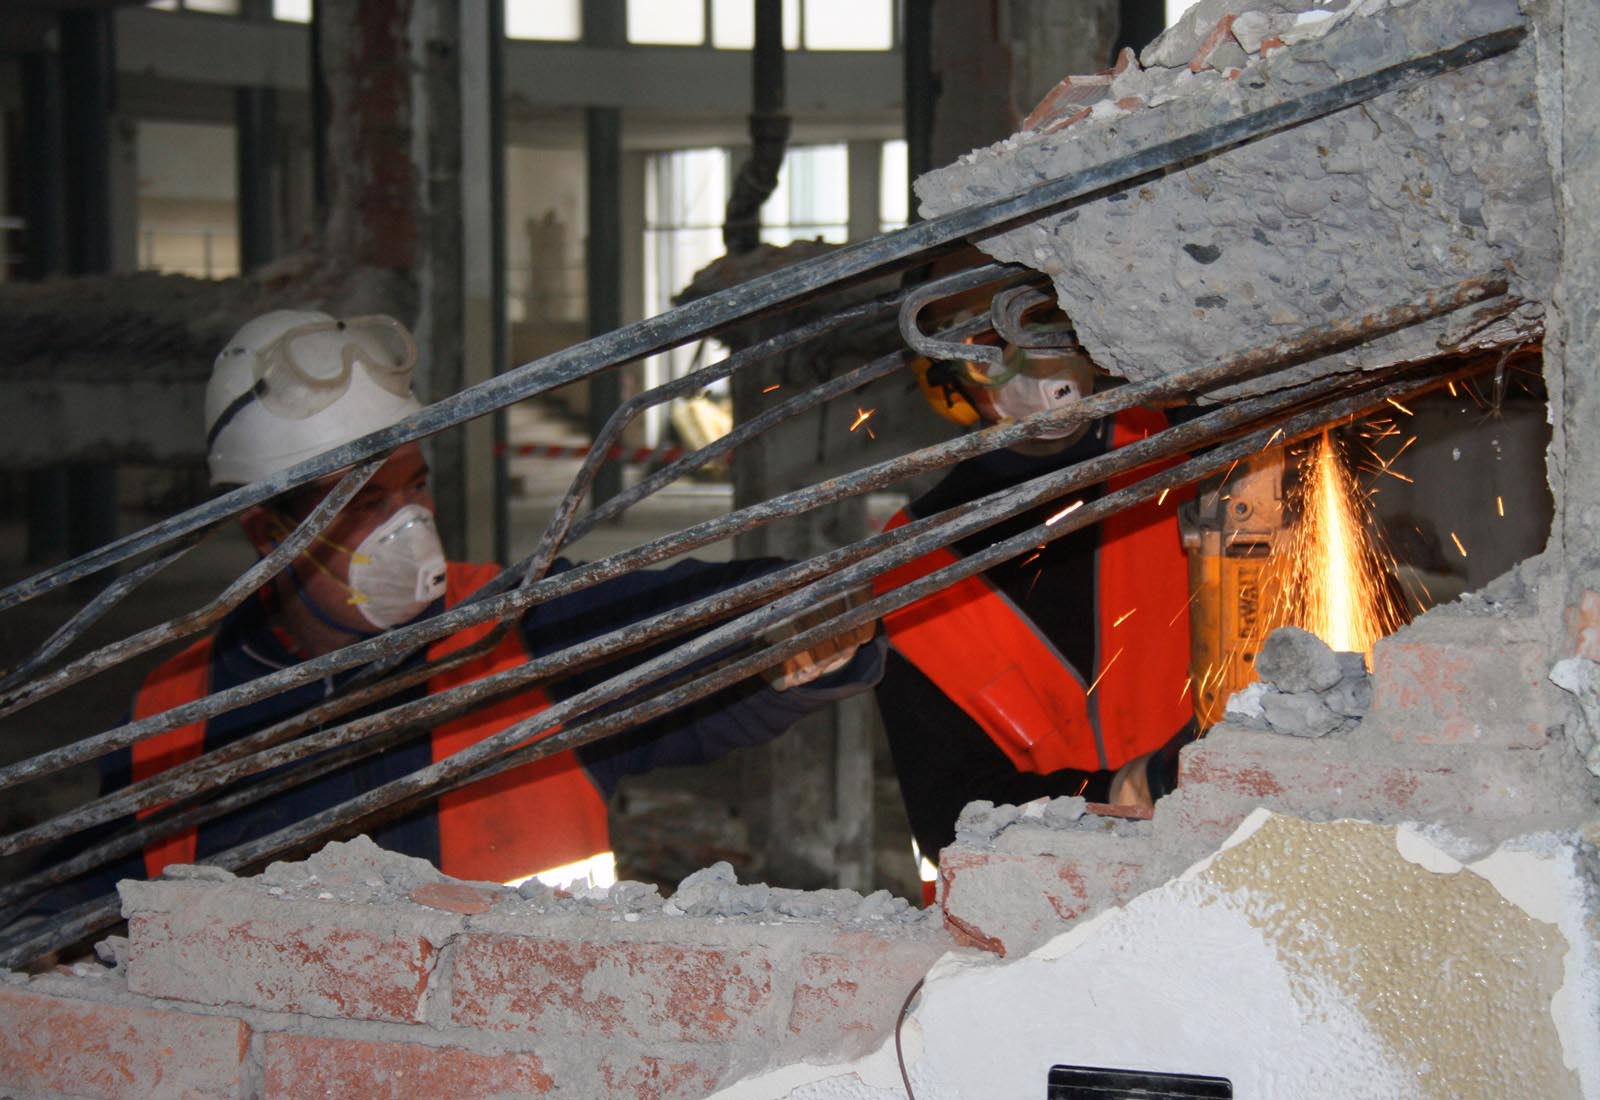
398	569
1025	394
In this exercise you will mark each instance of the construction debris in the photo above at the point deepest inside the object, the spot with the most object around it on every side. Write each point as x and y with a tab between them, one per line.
1328	220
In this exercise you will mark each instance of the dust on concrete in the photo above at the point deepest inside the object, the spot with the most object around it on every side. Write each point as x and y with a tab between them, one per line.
1305	689
1369	208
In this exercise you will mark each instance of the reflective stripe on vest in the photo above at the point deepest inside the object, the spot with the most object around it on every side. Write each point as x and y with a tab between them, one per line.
524	820
988	657
506	827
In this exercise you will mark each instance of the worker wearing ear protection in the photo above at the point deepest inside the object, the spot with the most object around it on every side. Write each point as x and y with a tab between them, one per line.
293	384
1064	671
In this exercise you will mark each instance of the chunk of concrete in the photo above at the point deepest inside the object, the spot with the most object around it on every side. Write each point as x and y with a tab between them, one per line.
1295	660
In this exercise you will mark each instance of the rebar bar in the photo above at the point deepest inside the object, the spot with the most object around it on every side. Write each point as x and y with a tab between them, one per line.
852	262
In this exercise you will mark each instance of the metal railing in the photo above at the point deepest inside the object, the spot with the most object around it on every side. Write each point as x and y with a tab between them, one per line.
734	623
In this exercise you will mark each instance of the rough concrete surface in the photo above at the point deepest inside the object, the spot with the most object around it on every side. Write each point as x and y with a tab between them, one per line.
1372	207
1305	960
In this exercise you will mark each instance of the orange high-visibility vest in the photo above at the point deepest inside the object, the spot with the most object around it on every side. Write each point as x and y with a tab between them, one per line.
528	819
989	657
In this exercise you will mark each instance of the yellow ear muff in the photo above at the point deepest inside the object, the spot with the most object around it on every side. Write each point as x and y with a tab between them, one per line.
942	390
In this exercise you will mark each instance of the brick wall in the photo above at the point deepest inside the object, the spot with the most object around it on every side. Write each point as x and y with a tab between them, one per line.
362	974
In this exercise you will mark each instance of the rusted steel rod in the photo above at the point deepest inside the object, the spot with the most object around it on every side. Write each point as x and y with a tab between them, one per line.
492	756
879	255
1315	342
195	621
91	612
502	748
206	772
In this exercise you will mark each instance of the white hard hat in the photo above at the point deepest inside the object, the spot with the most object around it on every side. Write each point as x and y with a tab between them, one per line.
292	384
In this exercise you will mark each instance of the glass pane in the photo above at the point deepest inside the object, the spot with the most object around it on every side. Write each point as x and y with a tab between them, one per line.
546	221
213	7
548	20
686	196
893	188
812	198
292	11
733	24
667	22
849	24
187	214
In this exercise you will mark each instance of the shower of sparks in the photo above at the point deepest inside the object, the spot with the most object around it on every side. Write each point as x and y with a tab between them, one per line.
1103	672
862	416
1399	406
1500	505
1187	684
1162	499
1337	586
1064	513
774	386
1124	617
1452	386
1457	541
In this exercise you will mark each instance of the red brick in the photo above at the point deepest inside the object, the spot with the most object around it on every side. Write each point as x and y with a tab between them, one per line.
1433	693
281	965
1585	620
300	1066
1011	903
647	991
112	1051
1219	34
847	1003
1223	777
457	897
653	1078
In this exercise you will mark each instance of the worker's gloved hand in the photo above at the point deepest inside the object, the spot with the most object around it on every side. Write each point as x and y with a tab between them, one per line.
826	656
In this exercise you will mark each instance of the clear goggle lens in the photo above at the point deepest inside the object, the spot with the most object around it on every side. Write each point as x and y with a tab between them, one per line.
308	368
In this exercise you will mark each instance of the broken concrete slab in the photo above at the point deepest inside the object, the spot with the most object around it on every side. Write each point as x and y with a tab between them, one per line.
1369	208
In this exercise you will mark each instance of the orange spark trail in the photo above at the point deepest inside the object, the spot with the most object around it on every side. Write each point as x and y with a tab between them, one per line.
1064	513
1339	590
862	416
1103	672
775	385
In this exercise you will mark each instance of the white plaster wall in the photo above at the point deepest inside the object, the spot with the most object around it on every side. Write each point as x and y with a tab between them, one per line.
1195	977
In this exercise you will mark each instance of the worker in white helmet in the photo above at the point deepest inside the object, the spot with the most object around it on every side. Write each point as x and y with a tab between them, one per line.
291	385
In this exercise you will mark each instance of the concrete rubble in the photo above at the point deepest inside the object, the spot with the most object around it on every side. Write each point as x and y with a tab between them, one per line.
1369	208
1305	690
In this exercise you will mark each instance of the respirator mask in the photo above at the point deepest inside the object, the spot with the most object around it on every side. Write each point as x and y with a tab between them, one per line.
1040	381
399	569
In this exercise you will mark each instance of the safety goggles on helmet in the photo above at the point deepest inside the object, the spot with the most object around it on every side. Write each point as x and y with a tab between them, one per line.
307	368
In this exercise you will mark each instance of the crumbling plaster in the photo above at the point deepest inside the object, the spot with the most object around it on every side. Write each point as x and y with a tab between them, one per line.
1304	960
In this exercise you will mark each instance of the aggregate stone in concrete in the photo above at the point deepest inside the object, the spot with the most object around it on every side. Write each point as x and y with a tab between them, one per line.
1294	660
1300	713
1370	208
